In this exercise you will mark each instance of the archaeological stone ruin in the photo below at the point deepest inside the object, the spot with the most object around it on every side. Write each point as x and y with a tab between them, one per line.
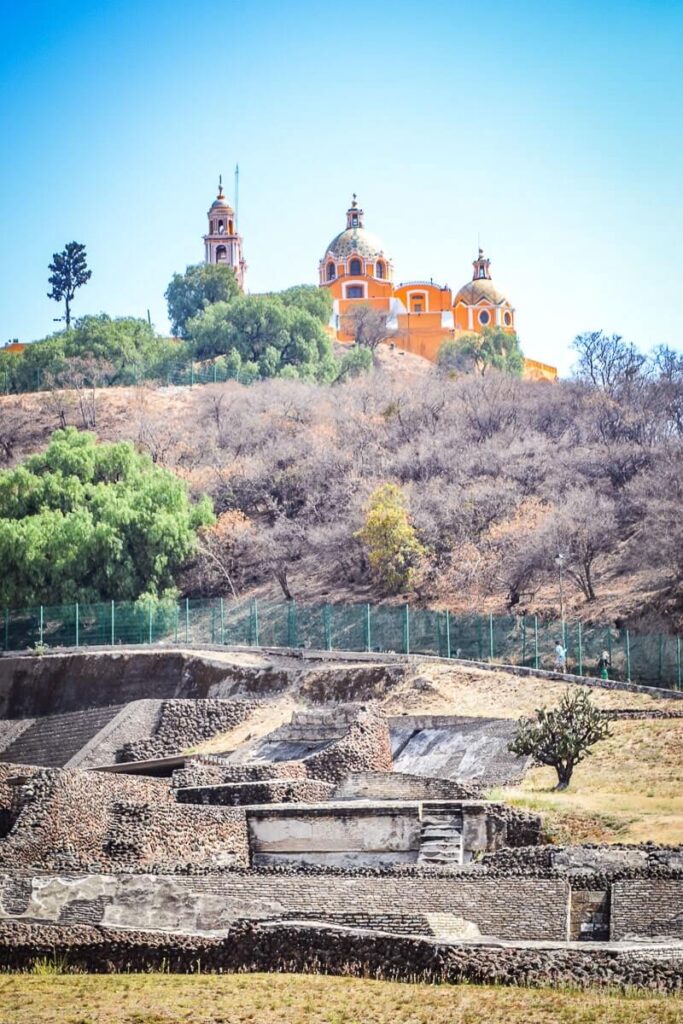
263	810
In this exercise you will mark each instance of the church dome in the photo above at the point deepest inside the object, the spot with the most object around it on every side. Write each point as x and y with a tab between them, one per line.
481	288
474	291
355	240
220	203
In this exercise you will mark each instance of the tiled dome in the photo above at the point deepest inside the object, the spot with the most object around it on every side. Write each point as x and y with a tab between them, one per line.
356	240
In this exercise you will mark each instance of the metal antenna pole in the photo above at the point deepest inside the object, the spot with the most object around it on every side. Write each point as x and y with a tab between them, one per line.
237	197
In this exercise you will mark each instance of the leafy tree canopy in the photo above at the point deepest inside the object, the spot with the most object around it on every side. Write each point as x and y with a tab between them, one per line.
69	272
394	552
88	522
357	361
200	286
127	345
494	349
563	736
309	297
278	338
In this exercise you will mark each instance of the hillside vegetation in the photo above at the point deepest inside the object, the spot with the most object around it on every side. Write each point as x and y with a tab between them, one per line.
498	475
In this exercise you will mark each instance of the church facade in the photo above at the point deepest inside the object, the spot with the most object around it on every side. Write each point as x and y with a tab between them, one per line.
422	314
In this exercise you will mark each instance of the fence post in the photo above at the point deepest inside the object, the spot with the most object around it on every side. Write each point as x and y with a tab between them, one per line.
187	620
177	621
77	637
678	662
7	629
150	622
368	634
256	626
536	641
41	626
628	657
523	639
222	623
661	657
580	642
490	636
292	638
113	625
327	622
448	634
214	373
191	373
406	630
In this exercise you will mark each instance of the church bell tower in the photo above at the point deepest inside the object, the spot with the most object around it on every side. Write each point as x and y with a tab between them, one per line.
222	243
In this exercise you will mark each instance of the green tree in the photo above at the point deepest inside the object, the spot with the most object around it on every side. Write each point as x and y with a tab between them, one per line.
356	361
200	286
314	300
494	349
87	522
280	339
563	736
69	272
394	552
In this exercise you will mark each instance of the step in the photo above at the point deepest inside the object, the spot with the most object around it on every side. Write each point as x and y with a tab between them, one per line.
52	740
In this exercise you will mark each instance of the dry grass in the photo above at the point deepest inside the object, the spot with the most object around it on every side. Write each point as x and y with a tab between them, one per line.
630	789
444	689
292	999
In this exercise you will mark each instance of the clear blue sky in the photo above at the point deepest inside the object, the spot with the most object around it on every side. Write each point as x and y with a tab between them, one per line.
552	132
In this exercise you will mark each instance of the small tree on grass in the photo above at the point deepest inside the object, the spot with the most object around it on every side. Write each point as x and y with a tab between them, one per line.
394	552
563	736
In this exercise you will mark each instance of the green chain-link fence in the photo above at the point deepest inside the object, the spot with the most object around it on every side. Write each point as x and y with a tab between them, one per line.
653	660
180	374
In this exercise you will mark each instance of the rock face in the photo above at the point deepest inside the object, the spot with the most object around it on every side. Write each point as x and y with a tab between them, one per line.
184	723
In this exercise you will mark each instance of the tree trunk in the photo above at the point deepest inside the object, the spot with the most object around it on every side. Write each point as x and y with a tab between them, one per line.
281	577
67	312
564	774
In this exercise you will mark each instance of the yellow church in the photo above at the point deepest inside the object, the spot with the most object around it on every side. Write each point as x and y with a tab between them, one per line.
356	268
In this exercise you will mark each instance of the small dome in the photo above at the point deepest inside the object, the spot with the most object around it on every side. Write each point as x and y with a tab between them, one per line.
474	291
356	240
222	204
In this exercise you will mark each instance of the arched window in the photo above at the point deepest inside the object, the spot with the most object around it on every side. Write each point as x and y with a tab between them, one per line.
379	270
507	317
484	318
355	266
331	271
221	254
221	227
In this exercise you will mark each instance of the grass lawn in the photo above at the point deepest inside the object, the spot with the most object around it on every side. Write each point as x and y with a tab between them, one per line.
297	999
629	789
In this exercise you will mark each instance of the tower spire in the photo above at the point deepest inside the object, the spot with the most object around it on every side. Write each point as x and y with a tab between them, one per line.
220	187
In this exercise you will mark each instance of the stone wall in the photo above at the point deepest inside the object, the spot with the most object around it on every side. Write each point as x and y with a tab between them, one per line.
65	815
366	746
300	949
173	837
506	908
400	786
273	791
200	772
183	723
9	796
647	908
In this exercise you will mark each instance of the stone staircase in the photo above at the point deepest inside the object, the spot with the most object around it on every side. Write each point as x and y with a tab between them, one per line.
52	740
440	836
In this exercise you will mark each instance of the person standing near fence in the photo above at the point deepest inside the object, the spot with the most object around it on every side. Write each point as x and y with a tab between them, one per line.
560	657
603	665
